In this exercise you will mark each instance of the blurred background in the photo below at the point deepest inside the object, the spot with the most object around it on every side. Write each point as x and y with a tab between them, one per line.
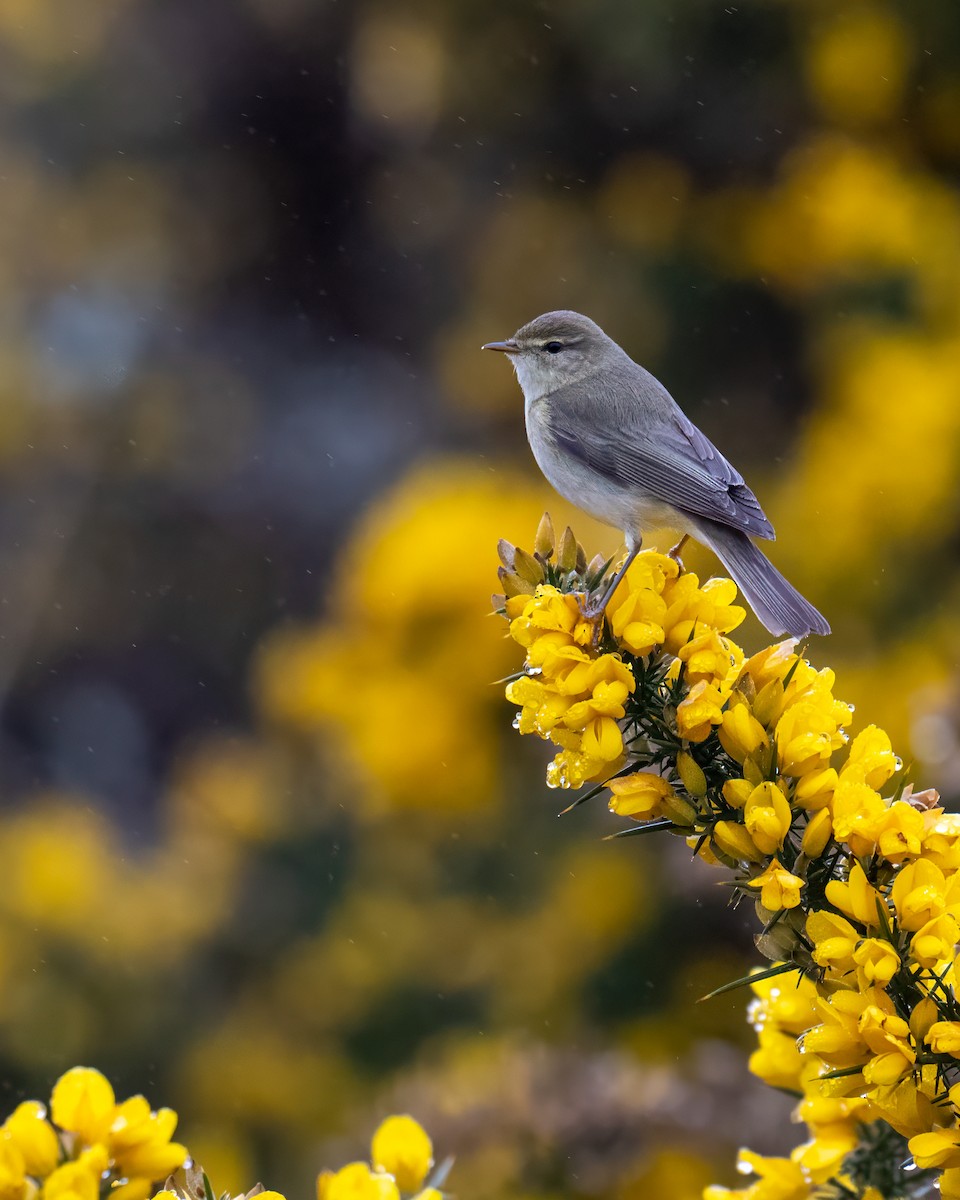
270	850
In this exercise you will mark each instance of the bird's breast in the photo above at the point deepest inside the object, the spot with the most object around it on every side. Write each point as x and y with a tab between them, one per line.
608	500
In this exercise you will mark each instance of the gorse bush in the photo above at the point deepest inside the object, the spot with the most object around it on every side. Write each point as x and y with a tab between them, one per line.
854	876
89	1147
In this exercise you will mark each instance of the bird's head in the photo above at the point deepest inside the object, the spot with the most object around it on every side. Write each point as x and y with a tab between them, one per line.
556	349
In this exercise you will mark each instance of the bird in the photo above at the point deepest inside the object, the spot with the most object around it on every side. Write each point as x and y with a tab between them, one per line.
612	440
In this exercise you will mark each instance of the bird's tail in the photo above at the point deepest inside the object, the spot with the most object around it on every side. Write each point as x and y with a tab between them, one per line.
777	603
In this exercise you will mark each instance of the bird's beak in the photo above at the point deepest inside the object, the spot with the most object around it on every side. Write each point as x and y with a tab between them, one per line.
508	347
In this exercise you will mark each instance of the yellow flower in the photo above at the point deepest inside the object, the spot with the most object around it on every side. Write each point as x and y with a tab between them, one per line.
699	711
582	675
711	657
871	757
943	1037
900	832
877	960
140	1140
780	889
34	1136
806	735
823	1155
777	1059
737	792
13	1181
732	839
815	790
888	1037
637	621
856	897
834	940
857	813
939	1148
357	1182
837	1039
741	734
787	1005
83	1103
817	833
638	795
782	1179
79	1180
934	942
602	739
919	894
402	1148
767	817
548	611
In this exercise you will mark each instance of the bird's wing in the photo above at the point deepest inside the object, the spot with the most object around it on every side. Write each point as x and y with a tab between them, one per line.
682	467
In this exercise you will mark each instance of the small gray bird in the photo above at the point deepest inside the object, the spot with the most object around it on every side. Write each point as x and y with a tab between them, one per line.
611	439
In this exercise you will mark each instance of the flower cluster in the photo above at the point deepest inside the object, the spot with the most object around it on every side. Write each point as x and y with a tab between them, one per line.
855	878
90	1147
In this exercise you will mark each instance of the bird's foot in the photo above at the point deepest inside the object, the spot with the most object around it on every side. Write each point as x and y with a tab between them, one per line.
592	609
674	551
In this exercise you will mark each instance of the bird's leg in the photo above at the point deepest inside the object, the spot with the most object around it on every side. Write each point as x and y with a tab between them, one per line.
592	608
674	553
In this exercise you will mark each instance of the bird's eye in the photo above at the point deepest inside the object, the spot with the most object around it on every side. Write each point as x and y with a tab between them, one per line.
553	347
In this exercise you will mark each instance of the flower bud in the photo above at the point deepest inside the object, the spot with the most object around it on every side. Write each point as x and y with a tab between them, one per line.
527	567
567	551
691	774
545	541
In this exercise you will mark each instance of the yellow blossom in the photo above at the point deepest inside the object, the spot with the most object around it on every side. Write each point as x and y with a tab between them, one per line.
919	894
782	1179
857	812
806	736
357	1181
637	620
638	795
741	734
402	1148
877	960
817	833
602	739
938	1148
815	789
838	1038
871	758
737	792
13	1181
943	1037
787	1005
780	889
822	1157
834	940
140	1140
900	832
888	1036
732	839
34	1136
83	1103
935	941
856	897
78	1180
699	711
777	1059
711	657
767	817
